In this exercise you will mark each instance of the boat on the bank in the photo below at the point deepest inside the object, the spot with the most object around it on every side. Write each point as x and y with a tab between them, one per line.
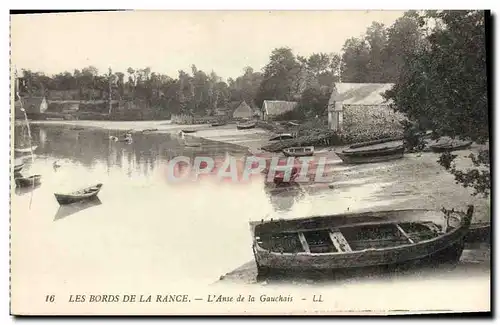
358	240
30	181
192	144
373	151
215	124
18	167
25	150
282	136
245	125
80	195
451	145
479	232
299	151
188	131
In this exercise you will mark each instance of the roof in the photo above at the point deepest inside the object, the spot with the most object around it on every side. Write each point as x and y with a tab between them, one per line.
243	110
360	93
278	107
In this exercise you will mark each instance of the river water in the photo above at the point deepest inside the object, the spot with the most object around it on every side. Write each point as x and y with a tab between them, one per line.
143	229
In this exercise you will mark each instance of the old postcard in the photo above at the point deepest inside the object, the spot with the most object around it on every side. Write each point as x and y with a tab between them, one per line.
250	163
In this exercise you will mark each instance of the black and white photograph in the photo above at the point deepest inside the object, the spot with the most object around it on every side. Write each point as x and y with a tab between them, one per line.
323	162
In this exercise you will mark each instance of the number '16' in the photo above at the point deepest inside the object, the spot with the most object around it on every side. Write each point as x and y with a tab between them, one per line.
49	298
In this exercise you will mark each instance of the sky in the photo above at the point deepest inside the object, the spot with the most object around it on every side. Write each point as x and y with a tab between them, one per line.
169	41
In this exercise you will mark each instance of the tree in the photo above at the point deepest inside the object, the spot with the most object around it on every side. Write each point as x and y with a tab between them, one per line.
444	89
279	76
314	101
376	39
355	61
404	38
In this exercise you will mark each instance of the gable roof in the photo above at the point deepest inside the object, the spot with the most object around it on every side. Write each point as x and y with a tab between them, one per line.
360	93
243	110
278	107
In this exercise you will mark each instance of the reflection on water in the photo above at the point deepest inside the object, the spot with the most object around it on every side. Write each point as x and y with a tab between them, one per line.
69	209
26	190
144	229
141	223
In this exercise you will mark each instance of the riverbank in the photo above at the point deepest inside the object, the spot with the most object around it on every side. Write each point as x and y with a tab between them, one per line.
253	139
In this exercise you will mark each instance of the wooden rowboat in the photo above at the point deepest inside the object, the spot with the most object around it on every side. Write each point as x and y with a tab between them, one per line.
188	131
83	194
245	126
25	150
450	146
358	240
373	151
299	151
28	181
283	136
218	124
18	167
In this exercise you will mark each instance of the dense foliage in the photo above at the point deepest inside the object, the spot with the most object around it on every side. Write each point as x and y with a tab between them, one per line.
443	87
374	57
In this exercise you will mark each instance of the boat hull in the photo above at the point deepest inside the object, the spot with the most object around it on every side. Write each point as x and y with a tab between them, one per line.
444	148
298	154
188	131
447	255
72	198
305	262
28	181
447	246
18	168
367	158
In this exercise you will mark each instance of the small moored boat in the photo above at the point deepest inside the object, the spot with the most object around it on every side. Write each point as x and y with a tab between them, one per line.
357	240
18	167
218	124
245	126
283	136
299	151
188	131
33	180
451	145
80	195
373	151
25	150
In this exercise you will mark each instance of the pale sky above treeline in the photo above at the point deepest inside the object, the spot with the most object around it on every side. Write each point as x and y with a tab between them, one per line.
169	41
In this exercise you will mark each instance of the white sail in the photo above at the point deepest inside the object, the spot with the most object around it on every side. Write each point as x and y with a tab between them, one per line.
43	105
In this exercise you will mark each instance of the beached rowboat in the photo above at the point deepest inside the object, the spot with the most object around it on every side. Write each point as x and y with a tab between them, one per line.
18	167
28	181
218	124
83	194
188	131
245	126
357	240
450	146
373	151
283	136
299	151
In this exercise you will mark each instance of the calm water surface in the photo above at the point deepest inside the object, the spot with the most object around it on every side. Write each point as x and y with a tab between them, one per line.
141	225
144	230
